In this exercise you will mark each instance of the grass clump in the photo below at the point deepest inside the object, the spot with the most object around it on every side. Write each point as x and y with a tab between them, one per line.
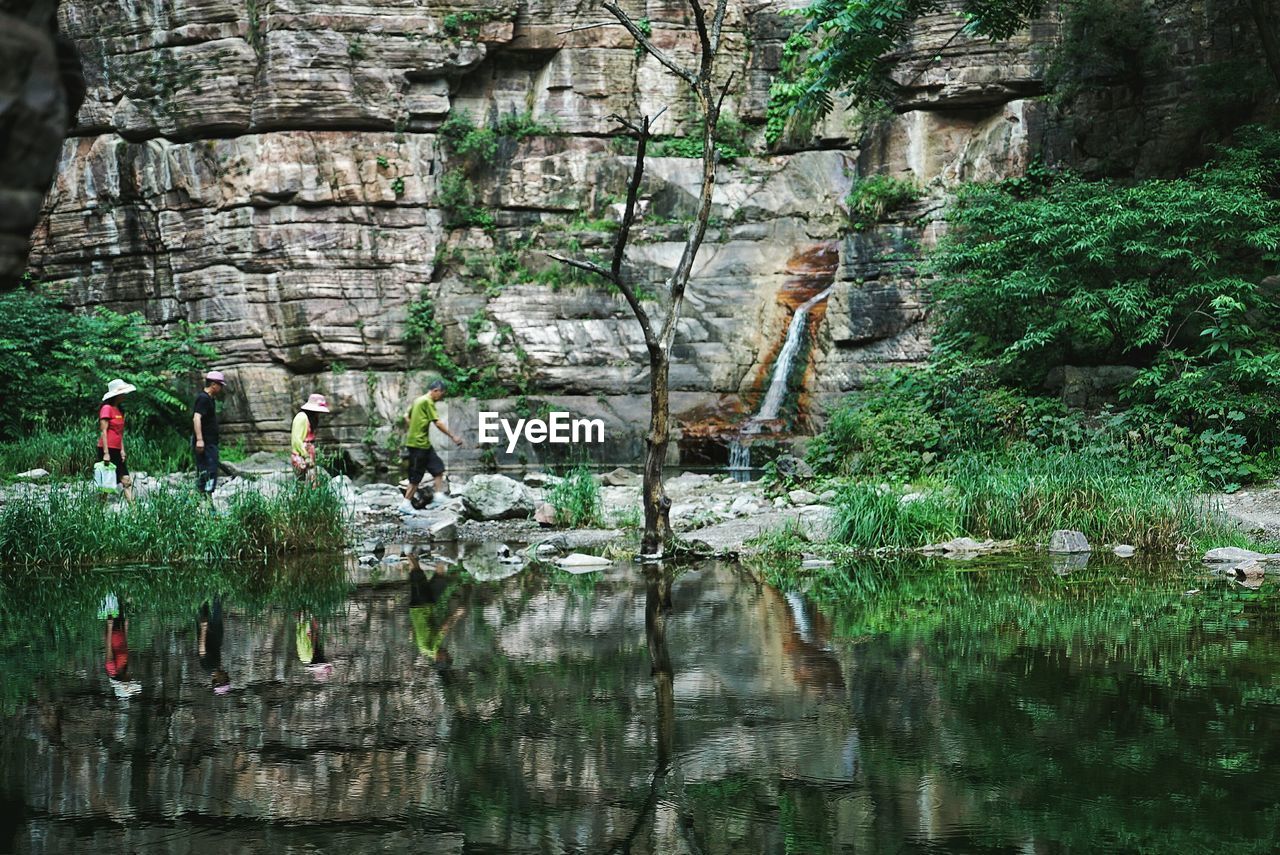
1025	497
576	498
70	450
73	527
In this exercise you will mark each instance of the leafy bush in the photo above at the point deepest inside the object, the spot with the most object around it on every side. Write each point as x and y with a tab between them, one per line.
873	197
731	141
576	499
54	363
1165	275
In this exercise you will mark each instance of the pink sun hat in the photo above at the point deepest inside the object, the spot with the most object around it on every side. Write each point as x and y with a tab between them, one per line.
316	404
216	377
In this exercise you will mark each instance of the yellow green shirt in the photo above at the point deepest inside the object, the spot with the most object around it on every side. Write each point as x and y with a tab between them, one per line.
301	434
421	415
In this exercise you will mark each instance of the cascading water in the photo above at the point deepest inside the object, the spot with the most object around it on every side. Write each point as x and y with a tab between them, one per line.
739	449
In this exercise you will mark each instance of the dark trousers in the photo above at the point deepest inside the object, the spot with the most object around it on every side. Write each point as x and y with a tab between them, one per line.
207	467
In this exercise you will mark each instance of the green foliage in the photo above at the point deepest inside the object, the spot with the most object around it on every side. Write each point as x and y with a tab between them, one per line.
872	197
425	332
850	46
71	450
731	142
474	149
1165	275
576	498
74	527
1026	496
868	516
55	363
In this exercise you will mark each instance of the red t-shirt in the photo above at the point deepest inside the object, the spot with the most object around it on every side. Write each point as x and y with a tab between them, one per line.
115	426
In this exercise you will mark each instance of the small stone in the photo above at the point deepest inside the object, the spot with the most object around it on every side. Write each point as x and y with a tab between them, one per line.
33	475
816	563
802	497
1066	540
790	466
541	479
368	560
743	506
826	497
545	514
1124	550
620	477
444	530
1248	570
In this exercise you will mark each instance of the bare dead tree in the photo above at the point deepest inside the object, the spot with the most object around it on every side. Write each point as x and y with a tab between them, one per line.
659	332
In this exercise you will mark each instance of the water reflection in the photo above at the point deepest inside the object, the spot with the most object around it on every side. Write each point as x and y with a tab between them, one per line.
884	708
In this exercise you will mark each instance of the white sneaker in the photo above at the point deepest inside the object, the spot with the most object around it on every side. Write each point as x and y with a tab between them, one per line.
405	508
439	499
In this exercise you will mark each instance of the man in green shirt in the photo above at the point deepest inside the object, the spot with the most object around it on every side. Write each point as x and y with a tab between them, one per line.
422	457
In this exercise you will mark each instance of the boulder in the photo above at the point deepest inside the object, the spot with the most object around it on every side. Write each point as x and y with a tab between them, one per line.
436	526
802	497
545	514
33	475
257	464
1234	555
1124	550
541	479
497	497
1068	541
620	477
790	466
961	545
742	506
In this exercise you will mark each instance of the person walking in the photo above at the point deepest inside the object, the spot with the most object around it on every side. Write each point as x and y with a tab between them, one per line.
303	437
204	424
422	457
111	433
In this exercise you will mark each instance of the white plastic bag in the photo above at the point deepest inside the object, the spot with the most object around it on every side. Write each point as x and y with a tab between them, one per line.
104	476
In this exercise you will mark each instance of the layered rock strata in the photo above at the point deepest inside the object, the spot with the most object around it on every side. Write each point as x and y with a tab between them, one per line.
276	172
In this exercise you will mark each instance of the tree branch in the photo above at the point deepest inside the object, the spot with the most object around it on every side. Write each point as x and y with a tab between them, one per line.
704	37
717	24
632	27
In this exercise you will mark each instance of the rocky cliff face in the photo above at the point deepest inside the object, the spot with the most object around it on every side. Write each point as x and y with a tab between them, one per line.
275	171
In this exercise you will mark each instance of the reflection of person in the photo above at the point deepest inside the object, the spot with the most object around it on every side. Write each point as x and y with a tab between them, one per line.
209	645
309	641
204	424
302	447
116	642
111	433
423	458
429	609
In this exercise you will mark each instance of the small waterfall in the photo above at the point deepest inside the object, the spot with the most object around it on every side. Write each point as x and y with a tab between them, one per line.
739	450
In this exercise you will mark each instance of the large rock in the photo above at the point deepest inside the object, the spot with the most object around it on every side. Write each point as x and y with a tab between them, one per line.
497	497
1068	541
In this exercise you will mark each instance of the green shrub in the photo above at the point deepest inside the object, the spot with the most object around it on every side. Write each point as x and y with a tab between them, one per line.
576	498
55	363
871	198
1164	275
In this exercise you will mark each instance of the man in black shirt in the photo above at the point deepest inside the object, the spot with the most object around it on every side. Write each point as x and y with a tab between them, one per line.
205	423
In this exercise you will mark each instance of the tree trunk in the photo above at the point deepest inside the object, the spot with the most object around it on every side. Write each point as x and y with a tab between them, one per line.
657	507
1263	15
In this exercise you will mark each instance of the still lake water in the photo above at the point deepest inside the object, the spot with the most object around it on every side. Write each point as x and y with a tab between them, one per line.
995	706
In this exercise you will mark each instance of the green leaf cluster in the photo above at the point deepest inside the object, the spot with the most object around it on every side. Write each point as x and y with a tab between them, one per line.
55	363
1167	275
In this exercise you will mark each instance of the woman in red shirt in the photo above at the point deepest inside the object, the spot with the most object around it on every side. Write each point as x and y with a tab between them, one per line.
111	433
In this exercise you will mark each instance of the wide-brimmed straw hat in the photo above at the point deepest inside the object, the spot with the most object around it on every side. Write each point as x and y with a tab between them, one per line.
215	377
118	387
316	404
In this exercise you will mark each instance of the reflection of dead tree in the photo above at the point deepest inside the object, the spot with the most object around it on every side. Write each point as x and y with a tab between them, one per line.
657	608
659	337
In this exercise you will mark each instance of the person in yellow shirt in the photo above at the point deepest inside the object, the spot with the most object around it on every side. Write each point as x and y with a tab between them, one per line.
302	445
422	457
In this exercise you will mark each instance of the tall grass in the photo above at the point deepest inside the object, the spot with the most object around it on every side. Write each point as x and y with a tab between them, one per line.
1026	498
71	450
576	499
74	527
